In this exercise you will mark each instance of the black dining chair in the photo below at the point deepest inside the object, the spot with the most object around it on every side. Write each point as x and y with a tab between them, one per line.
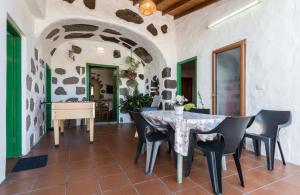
150	134
200	110
266	127
229	134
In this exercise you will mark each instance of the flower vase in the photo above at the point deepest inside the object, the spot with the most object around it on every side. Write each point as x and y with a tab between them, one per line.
179	110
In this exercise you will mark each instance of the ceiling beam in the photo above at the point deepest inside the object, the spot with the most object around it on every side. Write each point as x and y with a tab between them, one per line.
175	6
195	8
157	2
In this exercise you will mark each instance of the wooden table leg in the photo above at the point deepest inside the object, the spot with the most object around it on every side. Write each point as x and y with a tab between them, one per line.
56	133
87	124
62	126
179	168
91	122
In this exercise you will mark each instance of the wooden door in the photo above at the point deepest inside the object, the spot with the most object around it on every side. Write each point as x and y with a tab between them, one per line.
187	88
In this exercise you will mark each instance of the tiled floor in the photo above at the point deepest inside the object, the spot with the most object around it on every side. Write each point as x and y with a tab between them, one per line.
106	167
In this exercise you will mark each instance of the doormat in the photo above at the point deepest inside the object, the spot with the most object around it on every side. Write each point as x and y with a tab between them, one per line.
31	163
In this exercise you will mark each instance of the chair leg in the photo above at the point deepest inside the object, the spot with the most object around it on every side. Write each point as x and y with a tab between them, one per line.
281	153
153	156
239	169
138	151
189	162
270	151
149	151
257	146
240	148
214	164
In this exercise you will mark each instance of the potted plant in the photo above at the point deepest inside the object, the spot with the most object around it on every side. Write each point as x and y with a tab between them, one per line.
135	101
178	104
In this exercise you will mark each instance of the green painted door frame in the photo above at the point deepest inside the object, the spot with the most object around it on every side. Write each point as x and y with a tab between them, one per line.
48	97
13	93
179	74
116	99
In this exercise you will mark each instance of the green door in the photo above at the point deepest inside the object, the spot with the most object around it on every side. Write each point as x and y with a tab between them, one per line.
116	95
48	97
13	93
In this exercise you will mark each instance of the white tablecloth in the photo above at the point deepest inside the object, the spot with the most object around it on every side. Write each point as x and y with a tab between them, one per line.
182	124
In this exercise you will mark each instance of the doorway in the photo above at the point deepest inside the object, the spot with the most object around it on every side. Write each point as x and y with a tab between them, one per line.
229	67
187	79
13	93
103	89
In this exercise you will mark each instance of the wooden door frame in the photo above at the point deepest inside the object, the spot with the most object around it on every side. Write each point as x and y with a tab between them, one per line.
16	135
88	92
179	75
242	45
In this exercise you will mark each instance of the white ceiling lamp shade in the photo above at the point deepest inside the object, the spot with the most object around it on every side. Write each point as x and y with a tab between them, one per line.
234	13
147	7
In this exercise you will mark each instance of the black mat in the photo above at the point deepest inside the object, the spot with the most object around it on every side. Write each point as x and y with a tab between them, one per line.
31	163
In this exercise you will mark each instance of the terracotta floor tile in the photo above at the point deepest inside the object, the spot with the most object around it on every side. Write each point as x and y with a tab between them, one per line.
193	191
88	187
52	180
139	176
227	189
164	170
249	183
284	187
108	170
113	181
81	175
30	174
17	186
173	186
122	191
259	177
200	176
264	191
59	190
152	187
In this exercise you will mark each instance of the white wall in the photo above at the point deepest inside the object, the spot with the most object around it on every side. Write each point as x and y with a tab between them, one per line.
19	13
272	31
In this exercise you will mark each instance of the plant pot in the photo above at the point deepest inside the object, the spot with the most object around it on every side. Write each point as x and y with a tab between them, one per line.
179	110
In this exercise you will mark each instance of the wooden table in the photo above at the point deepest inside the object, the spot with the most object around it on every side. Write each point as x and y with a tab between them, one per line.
72	110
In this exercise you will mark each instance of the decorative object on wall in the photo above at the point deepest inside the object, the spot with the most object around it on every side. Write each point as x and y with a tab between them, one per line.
141	76
166	95
166	72
52	51
132	83
151	28
143	54
60	91
54	80
71	81
53	33
117	54
170	84
28	82
164	28
129	16
91	4
80	90
79	36
111	31
133	65
128	41
147	7
154	86
80	27
60	71
33	69
76	49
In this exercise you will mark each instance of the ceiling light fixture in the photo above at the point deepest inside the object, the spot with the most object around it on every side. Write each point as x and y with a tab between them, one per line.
100	49
147	7
236	12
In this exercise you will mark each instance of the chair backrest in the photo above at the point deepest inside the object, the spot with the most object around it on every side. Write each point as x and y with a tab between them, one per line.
140	124
232	130
268	122
156	101
200	110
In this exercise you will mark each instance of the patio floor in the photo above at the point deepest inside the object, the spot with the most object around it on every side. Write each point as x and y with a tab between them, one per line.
106	167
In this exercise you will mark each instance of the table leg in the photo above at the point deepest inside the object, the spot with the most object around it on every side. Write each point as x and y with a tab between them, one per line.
56	133
91	121
224	166
179	168
62	126
87	124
